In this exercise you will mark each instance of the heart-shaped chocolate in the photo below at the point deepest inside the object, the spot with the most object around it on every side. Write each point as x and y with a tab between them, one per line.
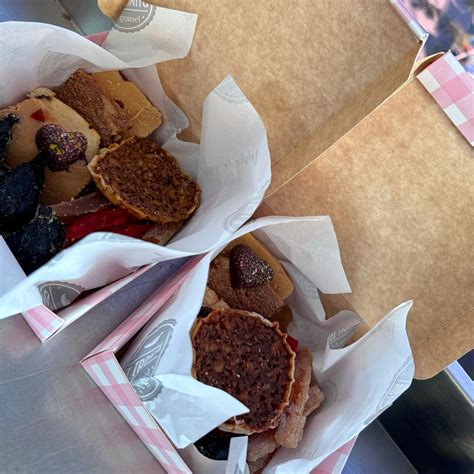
60	148
247	269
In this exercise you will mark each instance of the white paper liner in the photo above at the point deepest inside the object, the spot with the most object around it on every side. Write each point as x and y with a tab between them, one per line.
232	164
359	381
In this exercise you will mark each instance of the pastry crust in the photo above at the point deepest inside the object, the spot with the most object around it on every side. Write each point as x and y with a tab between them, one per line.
140	176
246	347
143	115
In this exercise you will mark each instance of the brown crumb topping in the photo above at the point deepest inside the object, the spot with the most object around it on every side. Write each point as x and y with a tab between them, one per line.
248	359
147	178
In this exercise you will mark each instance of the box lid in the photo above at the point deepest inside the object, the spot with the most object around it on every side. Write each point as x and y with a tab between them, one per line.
398	188
308	67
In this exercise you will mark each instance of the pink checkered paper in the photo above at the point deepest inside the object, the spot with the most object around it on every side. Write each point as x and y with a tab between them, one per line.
103	367
334	463
453	89
106	372
45	323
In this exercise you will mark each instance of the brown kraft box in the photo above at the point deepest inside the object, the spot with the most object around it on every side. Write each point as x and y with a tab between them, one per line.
352	135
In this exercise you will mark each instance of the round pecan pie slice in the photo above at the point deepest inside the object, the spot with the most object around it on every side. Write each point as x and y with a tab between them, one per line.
141	177
248	357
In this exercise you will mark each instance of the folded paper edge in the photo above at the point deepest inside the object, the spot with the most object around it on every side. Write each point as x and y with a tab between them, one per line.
43	322
115	340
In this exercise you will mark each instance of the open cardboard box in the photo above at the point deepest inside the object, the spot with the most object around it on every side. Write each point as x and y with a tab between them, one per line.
103	367
353	135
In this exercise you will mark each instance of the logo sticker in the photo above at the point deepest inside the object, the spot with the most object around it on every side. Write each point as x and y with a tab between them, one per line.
400	382
58	294
142	365
135	16
230	91
147	388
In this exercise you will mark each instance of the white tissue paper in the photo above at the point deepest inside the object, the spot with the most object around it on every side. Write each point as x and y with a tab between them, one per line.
231	165
359	381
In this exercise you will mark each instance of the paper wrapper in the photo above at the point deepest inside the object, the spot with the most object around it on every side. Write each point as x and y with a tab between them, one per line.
358	381
231	165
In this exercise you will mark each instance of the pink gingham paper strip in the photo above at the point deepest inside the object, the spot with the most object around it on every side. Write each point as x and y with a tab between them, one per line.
43	322
453	89
334	463
106	372
103	367
125	331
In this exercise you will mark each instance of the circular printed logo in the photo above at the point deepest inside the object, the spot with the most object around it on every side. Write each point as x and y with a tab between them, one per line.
147	388
58	294
230	91
135	16
144	362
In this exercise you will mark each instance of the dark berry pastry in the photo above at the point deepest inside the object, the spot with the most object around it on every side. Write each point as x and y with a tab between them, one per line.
20	189
6	126
35	243
215	445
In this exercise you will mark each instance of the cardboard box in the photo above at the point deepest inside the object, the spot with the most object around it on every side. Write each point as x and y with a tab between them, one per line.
353	135
105	370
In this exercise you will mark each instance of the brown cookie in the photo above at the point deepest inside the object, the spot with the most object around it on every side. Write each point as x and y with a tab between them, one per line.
247	356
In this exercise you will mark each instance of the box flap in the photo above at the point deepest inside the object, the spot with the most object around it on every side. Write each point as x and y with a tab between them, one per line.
308	67
398	188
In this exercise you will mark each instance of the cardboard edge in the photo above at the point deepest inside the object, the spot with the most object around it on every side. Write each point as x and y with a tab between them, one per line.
423	63
278	183
429	346
80	307
424	346
104	369
43	322
128	328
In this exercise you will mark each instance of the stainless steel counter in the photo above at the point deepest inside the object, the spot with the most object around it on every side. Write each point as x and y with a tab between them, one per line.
53	419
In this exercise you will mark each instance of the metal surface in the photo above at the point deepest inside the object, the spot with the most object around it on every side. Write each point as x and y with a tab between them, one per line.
433	424
375	452
43	11
87	16
53	418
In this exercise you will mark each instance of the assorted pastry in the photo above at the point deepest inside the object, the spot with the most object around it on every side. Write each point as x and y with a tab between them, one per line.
241	346
78	159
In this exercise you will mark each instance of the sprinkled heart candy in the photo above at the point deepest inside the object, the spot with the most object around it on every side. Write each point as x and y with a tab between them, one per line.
247	269
60	148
